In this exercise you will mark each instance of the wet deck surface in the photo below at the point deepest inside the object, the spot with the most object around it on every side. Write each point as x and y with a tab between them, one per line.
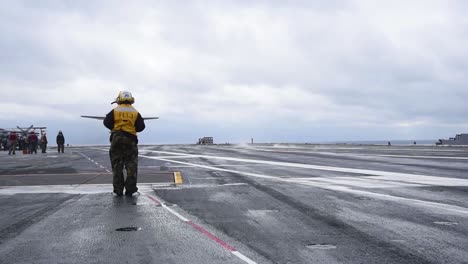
31	179
239	204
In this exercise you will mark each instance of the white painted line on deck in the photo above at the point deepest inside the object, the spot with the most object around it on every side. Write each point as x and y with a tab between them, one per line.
423	157
95	162
177	156
234	184
426	180
243	257
441	206
174	213
359	182
298	165
336	183
202	230
190	166
406	178
158	202
211	167
204	186
68	189
382	175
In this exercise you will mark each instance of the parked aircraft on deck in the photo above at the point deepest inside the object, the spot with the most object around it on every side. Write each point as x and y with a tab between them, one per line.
102	117
22	131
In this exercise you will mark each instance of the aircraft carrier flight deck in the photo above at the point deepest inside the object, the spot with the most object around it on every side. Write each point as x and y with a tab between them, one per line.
261	203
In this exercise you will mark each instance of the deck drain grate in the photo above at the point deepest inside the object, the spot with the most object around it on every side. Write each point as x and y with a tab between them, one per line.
446	223
127	229
321	246
364	198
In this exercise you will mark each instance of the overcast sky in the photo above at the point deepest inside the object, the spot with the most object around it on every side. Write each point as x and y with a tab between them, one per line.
277	71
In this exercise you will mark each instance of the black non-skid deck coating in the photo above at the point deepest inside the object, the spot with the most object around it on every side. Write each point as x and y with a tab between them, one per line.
77	178
299	216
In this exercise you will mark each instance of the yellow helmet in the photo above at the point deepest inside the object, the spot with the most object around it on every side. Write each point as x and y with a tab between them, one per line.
124	97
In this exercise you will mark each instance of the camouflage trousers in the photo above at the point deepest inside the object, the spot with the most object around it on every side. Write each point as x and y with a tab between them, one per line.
124	153
12	147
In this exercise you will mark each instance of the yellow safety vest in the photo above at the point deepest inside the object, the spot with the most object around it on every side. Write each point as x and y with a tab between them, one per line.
125	117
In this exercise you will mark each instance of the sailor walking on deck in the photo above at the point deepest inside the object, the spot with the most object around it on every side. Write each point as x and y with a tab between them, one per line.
124	121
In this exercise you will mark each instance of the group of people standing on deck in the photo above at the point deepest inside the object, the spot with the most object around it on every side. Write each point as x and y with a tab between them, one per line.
29	144
124	122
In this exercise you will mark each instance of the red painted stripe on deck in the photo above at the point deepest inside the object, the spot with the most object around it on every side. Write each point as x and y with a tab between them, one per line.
154	200
201	229
211	236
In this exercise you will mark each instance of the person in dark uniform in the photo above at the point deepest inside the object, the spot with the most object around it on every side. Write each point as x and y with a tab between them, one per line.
124	121
32	138
60	141
44	143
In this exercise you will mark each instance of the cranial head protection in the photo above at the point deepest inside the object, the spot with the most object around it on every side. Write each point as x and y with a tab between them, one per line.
124	97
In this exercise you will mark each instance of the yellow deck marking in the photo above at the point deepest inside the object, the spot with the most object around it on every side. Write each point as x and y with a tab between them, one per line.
177	177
